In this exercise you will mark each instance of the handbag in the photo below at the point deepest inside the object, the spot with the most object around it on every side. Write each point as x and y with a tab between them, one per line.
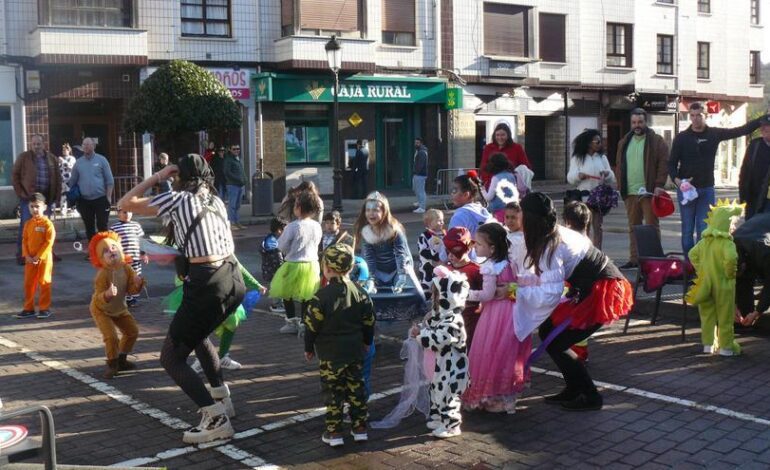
73	195
575	195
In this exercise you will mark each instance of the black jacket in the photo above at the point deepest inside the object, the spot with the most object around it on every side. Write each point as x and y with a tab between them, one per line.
755	198
218	167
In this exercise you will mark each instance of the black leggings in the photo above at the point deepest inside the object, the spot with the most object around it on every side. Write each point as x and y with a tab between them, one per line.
210	295
574	371
291	312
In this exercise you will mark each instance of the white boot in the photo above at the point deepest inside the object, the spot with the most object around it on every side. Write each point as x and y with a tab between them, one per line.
214	425
290	327
222	395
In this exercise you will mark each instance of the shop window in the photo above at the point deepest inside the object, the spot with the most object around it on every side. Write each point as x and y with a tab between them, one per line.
6	146
342	18
307	143
90	13
398	22
552	37
206	18
619	45
506	30
665	54
704	60
754	67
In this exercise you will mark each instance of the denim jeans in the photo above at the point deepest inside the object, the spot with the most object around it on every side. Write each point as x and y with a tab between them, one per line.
694	216
25	216
234	196
418	185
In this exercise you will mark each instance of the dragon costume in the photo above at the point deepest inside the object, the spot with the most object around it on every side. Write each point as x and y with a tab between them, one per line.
715	259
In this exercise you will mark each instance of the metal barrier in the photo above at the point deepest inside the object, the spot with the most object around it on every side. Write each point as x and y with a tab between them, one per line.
444	179
49	433
123	184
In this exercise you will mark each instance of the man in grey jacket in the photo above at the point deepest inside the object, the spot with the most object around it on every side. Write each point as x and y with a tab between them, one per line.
420	174
235	180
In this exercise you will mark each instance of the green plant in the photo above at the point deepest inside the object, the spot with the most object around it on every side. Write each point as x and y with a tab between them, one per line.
182	97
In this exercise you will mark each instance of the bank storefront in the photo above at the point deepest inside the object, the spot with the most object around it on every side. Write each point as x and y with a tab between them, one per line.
386	111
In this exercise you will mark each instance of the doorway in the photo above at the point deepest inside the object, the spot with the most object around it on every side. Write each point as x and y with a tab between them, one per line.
534	144
72	121
394	148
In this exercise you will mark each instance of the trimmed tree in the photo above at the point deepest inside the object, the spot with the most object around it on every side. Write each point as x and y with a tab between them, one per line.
178	99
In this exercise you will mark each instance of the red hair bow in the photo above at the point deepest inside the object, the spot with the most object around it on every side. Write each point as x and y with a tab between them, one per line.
473	173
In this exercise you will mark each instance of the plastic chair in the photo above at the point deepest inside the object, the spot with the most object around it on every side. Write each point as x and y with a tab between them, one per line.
649	248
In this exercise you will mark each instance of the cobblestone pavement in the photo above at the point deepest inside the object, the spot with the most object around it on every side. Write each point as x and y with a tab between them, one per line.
666	405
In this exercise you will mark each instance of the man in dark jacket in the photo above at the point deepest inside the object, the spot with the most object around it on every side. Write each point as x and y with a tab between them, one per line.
755	172
360	167
420	174
752	240
641	161
692	161
235	180
218	167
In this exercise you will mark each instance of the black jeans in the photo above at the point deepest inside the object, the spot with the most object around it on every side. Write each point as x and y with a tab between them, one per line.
95	214
574	371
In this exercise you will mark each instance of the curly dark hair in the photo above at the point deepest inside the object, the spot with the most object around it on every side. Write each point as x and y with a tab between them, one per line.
277	223
498	163
582	143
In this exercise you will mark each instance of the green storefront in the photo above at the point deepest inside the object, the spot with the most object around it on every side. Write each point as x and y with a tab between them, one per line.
388	112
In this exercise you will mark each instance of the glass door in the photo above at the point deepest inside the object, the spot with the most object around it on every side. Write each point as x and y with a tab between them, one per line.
393	162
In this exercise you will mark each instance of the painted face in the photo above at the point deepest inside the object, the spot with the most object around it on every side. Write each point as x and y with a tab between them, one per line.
437	225
638	124
697	119
374	212
331	226
513	220
460	197
483	247
36	208
501	137
110	254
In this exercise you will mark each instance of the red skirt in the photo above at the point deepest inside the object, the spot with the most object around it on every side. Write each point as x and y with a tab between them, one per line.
609	300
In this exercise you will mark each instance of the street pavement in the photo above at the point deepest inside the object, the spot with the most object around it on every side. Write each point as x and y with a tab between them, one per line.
666	405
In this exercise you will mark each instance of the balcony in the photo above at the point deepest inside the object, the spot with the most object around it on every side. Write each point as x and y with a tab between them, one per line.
89	45
307	52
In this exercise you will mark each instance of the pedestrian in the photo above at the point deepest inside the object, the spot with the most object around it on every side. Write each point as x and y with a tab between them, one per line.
642	163
163	161
420	174
34	171
93	176
589	168
37	250
754	179
272	257
339	329
131	234
502	142
214	287
599	294
299	276
360	169
502	186
218	167
209	153
235	180
692	166
66	162
753	265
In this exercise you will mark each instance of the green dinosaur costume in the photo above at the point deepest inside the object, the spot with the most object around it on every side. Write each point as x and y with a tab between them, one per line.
715	259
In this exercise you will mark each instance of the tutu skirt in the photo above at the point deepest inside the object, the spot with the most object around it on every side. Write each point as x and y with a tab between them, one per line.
609	300
296	280
408	304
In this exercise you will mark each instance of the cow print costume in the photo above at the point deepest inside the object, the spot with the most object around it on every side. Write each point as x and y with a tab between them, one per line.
428	244
445	335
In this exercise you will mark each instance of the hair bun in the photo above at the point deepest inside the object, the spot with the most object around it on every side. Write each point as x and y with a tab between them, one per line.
473	174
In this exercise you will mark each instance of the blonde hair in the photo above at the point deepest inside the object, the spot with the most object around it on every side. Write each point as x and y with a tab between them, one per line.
431	215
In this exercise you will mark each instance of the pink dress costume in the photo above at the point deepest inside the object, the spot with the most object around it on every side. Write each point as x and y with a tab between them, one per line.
497	358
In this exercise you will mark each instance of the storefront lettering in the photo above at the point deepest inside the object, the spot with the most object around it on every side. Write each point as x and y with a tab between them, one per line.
237	81
374	91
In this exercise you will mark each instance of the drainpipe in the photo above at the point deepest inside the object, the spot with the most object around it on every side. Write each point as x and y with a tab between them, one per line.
566	132
261	133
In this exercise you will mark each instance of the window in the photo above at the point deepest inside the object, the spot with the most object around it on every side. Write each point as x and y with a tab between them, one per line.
506	30
307	134
398	22
667	2
704	60
665	54
619	45
206	18
704	6
552	38
754	11
6	145
322	17
90	13
754	67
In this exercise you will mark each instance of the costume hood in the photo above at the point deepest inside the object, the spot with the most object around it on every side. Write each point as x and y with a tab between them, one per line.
452	289
719	218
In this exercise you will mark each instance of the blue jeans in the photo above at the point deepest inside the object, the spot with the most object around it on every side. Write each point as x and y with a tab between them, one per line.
222	190
418	185
25	216
694	215
234	196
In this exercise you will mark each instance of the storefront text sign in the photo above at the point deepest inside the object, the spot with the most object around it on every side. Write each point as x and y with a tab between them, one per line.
237	81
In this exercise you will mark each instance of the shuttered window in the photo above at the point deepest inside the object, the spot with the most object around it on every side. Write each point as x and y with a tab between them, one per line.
398	22
506	30
552	37
287	13
329	15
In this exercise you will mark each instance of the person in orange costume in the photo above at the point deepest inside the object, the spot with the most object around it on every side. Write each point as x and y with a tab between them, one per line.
113	281
37	251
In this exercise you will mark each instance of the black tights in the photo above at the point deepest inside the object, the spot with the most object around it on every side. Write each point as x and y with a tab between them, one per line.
173	358
574	371
288	304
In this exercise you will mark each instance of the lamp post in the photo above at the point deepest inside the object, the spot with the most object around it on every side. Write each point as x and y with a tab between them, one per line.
334	56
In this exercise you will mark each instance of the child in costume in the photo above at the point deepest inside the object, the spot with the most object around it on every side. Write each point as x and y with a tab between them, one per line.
577	216
130	234
458	243
298	277
715	259
428	246
332	234
339	328
37	250
444	334
502	187
272	258
497	357
471	212
114	279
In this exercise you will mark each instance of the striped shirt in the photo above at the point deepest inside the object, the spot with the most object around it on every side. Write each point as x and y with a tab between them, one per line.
211	237
130	232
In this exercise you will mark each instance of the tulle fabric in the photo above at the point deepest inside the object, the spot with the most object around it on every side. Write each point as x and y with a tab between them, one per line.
609	300
297	280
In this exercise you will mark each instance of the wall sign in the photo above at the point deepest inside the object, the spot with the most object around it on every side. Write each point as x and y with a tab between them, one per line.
237	81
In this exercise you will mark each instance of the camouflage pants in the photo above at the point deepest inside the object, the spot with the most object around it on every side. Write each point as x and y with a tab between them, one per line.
343	384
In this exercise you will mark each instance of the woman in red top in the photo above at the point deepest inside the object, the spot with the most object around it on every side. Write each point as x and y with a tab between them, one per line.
502	142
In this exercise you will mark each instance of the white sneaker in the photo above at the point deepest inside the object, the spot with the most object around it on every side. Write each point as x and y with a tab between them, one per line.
277	308
726	352
415	204
214	425
442	433
290	328
301	331
419	210
433	425
359	436
708	349
228	363
334	440
196	366
222	395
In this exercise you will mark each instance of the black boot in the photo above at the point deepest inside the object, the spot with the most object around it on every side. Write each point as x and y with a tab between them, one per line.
565	395
124	363
584	402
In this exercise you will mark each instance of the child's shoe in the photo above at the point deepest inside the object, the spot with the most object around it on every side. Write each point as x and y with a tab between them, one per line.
443	433
277	308
359	434
433	424
221	394
290	328
132	302
214	425
124	363
333	439
26	314
44	314
708	349
112	369
228	363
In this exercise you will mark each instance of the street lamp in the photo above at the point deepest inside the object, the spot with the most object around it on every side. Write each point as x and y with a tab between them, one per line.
334	56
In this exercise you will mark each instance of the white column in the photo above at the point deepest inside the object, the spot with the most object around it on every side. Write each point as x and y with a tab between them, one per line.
147	155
